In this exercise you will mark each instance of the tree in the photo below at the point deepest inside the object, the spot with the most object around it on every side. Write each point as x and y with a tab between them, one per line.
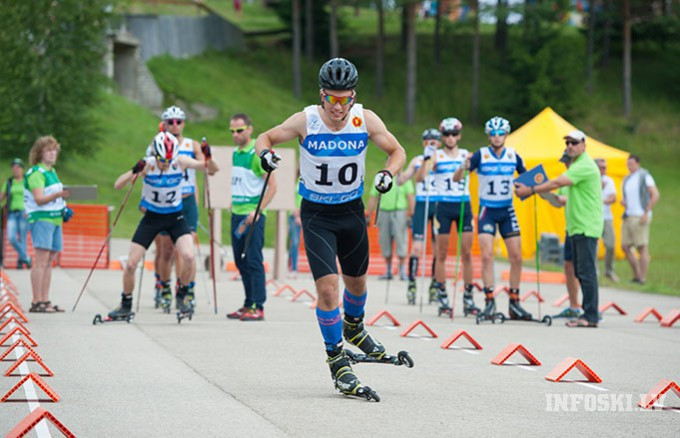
335	48
627	24
590	46
501	36
437	34
297	73
474	108
380	50
51	68
309	31
411	60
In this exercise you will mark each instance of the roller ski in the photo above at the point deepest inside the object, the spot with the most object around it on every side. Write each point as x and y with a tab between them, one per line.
402	358
373	351
469	307
517	313
185	303
345	380
489	313
157	292
411	293
121	313
443	299
166	298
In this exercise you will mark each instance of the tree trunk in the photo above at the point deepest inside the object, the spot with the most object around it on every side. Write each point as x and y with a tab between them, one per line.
437	35
627	99
606	33
501	37
410	63
380	50
297	40
335	49
309	31
474	110
404	26
357	9
590	48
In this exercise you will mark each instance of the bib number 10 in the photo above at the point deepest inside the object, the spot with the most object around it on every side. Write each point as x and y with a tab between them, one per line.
347	174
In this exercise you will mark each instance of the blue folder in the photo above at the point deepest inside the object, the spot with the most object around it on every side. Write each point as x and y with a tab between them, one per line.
532	178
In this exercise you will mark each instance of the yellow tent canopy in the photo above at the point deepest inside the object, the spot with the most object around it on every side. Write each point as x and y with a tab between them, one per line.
540	141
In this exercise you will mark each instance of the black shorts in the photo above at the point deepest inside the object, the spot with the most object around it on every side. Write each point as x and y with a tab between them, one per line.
449	212
153	223
332	230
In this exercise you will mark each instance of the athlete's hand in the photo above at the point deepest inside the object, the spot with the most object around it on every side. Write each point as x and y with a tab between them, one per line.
205	148
383	181
429	152
467	162
67	214
269	160
139	166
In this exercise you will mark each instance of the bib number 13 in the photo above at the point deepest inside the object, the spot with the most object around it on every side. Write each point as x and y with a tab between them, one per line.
347	174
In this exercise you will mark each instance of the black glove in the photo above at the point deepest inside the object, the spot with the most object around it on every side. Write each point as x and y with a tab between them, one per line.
269	160
383	181
205	148
139	166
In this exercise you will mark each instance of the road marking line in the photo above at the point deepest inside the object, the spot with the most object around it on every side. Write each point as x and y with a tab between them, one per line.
466	350
588	385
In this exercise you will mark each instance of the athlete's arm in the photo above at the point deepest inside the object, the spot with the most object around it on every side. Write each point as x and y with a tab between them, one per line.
293	127
471	163
201	157
423	170
377	131
520	165
187	162
408	173
127	177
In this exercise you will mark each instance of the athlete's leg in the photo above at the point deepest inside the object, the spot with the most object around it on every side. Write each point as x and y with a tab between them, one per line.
134	256
185	258
466	257
442	249
514	247
164	250
486	247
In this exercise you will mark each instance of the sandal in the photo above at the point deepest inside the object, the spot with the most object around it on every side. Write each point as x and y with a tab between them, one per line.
580	323
37	307
49	308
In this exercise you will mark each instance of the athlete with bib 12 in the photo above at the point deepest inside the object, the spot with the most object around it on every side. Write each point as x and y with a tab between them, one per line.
333	138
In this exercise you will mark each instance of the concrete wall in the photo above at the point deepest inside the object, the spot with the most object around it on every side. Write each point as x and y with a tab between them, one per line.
182	37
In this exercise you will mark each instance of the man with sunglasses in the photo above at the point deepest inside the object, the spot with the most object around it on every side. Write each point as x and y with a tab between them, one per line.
333	138
174	121
420	167
247	180
584	220
453	195
162	173
496	165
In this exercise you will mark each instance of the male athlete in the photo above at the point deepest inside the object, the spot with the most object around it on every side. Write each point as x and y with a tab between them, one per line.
162	202
333	139
496	166
426	193
453	195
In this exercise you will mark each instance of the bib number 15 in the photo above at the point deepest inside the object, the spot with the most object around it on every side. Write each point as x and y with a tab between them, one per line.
347	174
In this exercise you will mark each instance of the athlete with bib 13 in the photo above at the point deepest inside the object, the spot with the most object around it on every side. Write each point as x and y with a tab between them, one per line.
333	138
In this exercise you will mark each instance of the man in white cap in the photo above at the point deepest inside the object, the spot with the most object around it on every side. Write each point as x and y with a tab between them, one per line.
584	219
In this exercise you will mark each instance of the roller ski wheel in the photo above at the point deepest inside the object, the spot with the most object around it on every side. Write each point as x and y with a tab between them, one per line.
547	320
186	308
184	315
364	392
345	380
99	319
402	358
444	310
494	318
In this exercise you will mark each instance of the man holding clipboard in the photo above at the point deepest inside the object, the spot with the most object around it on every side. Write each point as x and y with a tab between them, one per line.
584	219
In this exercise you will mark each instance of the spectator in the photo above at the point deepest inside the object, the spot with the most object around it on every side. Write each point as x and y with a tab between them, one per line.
584	220
640	195
17	225
396	209
45	202
608	238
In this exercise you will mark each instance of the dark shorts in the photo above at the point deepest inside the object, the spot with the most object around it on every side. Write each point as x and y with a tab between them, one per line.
418	219
153	223
449	212
190	212
335	230
504	217
568	249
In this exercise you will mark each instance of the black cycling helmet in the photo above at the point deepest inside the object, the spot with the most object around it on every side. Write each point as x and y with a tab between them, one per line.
338	74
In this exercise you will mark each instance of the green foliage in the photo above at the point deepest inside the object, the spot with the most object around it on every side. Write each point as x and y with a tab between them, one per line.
320	14
52	72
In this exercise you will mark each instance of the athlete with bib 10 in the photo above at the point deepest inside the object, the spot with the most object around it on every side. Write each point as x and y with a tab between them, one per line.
333	138
163	173
496	166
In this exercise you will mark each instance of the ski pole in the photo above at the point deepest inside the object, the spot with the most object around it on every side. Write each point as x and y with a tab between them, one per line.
207	231
425	228
257	213
389	273
115	221
210	224
460	245
538	280
200	259
377	211
139	288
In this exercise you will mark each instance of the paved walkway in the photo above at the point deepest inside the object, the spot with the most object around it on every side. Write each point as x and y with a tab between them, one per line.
215	377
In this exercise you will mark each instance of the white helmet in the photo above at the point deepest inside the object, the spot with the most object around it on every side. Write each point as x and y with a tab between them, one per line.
431	134
450	124
173	112
497	123
165	146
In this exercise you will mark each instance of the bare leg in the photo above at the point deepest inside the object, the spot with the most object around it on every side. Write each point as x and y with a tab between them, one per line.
486	246
514	247
632	261
41	258
185	259
327	291
442	248
644	262
466	257
166	248
47	277
572	284
134	256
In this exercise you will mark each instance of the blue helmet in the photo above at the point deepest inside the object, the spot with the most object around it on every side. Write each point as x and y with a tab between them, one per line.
431	134
497	123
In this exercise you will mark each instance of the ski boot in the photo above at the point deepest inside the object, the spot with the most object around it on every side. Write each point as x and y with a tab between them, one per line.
469	307
433	291
166	297
344	378
190	291
157	289
353	330
489	313
443	299
411	293
185	306
121	313
515	310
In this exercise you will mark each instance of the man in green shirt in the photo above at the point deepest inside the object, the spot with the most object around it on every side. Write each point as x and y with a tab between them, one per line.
584	219
247	180
17	225
396	208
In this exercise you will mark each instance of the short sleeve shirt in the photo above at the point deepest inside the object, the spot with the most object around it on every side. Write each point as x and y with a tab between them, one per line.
396	198
608	189
584	206
16	194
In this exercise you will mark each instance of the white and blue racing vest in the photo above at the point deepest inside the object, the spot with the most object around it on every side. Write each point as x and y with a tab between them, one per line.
496	175
332	163
189	180
162	191
422	186
447	189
